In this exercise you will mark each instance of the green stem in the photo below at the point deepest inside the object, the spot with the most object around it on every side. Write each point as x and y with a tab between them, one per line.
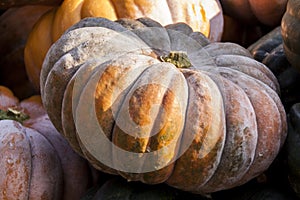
13	114
178	58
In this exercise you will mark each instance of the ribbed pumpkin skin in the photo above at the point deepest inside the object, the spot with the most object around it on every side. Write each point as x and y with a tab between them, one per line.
215	113
36	161
204	16
267	12
290	24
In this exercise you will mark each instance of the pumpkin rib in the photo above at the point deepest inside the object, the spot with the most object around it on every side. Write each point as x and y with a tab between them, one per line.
262	122
50	167
250	67
169	125
16	137
197	167
90	80
240	141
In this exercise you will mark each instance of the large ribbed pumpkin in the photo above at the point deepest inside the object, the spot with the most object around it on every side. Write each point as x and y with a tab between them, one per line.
202	15
163	104
36	161
291	33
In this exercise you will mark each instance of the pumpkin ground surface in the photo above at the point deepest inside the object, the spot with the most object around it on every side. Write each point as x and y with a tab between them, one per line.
204	128
36	161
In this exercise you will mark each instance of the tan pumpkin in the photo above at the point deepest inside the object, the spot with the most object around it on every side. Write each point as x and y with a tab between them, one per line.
36	161
267	12
290	33
163	104
204	16
15	26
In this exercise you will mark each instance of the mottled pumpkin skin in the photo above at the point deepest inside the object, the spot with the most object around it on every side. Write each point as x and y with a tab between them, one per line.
204	16
290	33
15	26
216	113
267	12
36	161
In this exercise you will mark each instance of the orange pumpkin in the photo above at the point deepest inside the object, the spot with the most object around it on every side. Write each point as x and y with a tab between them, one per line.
204	16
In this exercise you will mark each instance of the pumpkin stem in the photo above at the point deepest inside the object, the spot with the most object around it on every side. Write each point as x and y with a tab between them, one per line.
13	114
177	58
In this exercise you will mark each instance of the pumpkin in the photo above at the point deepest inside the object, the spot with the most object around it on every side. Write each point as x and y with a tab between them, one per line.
36	161
119	189
243	34
257	191
132	96
270	51
293	146
291	34
204	16
267	12
17	3
15	25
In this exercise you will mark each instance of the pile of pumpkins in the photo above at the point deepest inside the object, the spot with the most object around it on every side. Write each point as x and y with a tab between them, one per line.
121	99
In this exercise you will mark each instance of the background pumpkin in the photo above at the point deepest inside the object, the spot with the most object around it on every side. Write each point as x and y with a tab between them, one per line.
98	60
15	25
267	12
204	16
269	50
17	3
291	34
293	146
36	161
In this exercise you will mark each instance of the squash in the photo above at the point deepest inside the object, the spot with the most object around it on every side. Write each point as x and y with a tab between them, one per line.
291	34
257	191
204	16
160	104
18	3
267	12
270	51
118	189
15	25
237	32
36	161
293	146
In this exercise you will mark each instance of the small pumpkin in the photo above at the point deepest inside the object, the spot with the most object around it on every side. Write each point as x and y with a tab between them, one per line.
36	161
267	12
291	34
165	92
204	16
293	146
270	51
15	25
